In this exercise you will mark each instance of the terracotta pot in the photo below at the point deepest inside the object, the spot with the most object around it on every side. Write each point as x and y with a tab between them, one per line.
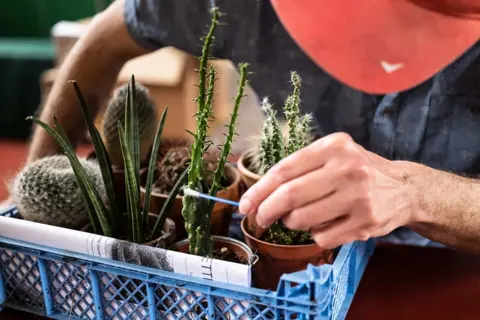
249	178
167	237
238	247
221	214
275	260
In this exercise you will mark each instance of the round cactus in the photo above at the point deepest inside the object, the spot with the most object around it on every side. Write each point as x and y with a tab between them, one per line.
46	191
115	111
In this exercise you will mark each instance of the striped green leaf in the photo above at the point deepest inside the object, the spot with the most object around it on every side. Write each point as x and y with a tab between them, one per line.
90	194
131	186
103	160
151	168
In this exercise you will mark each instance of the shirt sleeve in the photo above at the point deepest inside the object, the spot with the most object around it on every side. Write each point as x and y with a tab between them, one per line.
155	24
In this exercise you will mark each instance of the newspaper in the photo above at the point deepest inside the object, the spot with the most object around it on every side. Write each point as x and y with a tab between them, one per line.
124	251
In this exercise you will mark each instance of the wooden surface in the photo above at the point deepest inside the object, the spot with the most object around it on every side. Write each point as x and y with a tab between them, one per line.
399	283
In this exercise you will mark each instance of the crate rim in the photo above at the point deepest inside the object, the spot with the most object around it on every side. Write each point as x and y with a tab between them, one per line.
334	267
327	272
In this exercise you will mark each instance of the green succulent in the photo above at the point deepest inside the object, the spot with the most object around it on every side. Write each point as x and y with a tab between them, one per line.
274	146
197	212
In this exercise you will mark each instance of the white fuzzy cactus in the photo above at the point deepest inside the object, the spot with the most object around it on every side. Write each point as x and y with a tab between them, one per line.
46	191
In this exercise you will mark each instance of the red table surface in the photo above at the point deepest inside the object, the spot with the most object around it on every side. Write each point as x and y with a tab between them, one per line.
399	283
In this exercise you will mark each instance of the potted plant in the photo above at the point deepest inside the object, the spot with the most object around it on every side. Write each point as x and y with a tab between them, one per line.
281	250
167	172
176	159
197	212
107	218
115	111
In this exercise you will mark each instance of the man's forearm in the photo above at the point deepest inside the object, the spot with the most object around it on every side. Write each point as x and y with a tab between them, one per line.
94	63
449	207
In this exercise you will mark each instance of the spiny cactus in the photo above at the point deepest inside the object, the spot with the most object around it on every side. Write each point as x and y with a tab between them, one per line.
197	212
105	218
115	112
47	191
274	146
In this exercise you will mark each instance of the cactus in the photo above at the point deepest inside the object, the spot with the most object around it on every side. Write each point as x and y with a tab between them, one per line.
115	112
274	146
271	142
105	219
47	191
197	212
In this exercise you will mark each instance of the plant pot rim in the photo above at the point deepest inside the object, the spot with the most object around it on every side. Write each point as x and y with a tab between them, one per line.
253	257
296	246
236	181
243	168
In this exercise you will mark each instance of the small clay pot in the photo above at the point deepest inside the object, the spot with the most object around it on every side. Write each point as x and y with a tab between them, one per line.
167	237
275	260
221	214
219	242
249	178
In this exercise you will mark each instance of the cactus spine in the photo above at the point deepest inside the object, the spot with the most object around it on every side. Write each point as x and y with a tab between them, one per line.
47	191
273	148
197	212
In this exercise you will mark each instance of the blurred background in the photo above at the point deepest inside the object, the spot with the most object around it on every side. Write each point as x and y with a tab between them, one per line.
35	37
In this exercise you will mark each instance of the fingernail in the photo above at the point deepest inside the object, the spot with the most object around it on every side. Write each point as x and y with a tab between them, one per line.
261	223
246	206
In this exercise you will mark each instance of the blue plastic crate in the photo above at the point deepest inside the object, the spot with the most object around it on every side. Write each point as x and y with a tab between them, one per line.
61	285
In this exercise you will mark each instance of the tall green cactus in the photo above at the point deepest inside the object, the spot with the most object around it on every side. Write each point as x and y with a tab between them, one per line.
197	212
274	147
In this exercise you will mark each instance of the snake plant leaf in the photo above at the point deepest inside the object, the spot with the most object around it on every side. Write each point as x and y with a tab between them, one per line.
134	135
102	157
91	195
132	186
151	168
162	216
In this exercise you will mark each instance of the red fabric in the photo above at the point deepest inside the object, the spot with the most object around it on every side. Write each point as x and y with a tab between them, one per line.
350	39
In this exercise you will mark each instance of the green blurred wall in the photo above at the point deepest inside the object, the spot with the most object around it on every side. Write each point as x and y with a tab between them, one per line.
34	18
26	52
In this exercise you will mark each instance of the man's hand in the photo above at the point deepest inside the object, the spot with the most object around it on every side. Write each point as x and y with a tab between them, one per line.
337	190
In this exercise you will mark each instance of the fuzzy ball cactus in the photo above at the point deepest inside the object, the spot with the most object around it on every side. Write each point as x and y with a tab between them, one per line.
46	191
115	111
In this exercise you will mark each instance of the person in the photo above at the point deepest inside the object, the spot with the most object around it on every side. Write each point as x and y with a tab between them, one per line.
393	86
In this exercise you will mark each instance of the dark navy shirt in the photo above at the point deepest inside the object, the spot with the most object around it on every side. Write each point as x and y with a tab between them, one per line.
436	123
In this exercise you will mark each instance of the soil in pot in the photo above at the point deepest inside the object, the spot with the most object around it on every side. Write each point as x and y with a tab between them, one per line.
275	259
169	170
